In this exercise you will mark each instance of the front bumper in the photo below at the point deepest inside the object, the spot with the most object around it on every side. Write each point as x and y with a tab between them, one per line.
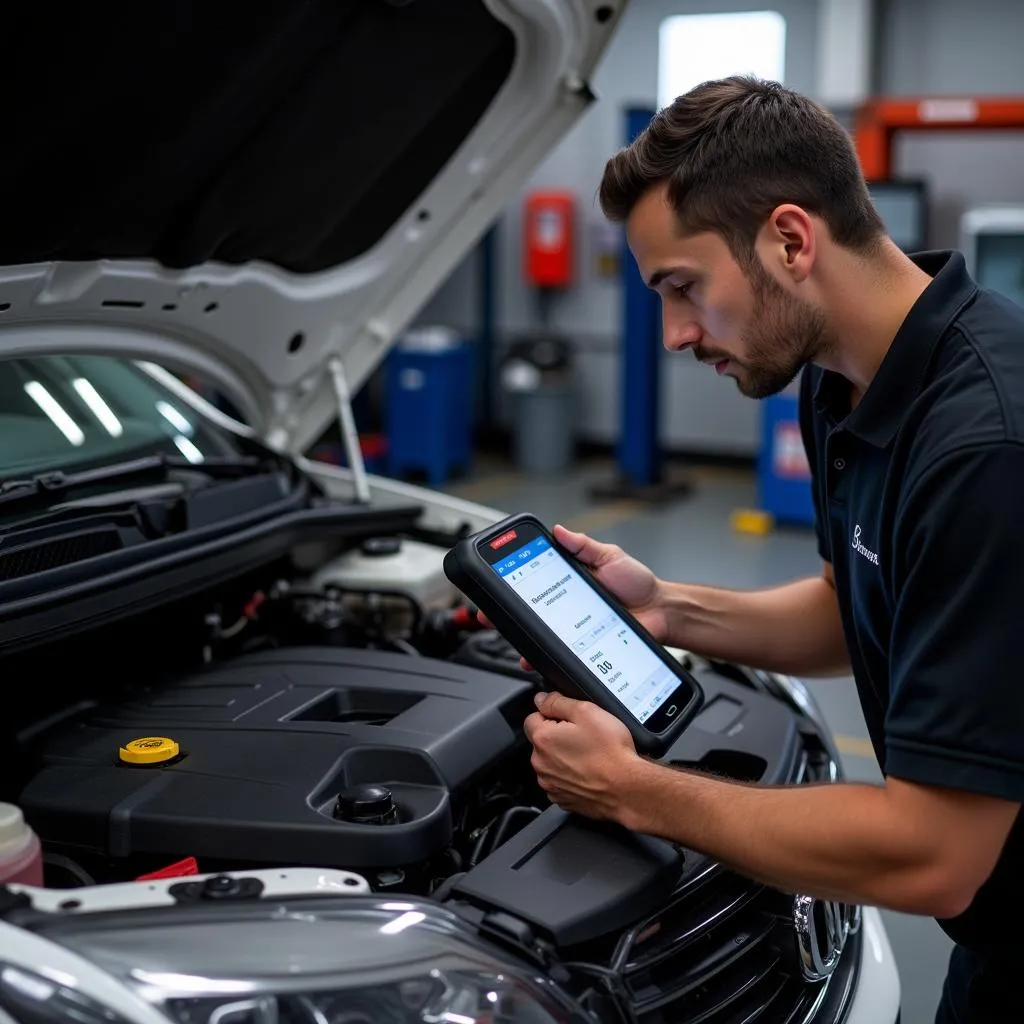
877	997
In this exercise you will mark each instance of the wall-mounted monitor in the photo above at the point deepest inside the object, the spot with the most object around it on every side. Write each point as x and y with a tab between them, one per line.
992	241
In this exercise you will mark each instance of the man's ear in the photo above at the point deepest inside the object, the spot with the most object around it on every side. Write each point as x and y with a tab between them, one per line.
788	242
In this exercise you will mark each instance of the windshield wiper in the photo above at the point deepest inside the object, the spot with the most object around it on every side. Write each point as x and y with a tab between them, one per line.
46	488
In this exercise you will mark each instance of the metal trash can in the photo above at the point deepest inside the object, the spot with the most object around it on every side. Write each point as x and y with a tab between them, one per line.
537	374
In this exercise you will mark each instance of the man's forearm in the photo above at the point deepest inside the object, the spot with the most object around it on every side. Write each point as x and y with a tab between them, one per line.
844	842
793	629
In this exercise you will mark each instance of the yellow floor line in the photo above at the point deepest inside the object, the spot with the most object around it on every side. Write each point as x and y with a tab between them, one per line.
856	745
604	516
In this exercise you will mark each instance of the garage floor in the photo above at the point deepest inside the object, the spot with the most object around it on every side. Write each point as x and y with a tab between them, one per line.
691	539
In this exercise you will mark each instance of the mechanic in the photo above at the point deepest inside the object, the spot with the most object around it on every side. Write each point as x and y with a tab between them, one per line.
746	210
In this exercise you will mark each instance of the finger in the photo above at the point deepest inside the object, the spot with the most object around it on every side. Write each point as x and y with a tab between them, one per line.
586	549
532	724
557	707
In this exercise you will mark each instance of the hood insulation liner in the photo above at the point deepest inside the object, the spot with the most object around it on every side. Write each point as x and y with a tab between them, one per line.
292	132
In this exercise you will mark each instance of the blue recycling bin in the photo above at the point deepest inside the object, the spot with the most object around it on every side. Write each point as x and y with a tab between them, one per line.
429	411
783	473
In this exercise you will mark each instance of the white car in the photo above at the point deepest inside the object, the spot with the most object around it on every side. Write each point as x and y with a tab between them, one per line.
215	648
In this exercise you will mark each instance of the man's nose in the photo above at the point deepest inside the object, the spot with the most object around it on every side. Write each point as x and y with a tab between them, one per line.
677	336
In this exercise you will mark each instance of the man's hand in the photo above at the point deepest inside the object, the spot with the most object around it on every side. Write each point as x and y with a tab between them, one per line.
581	754
630	581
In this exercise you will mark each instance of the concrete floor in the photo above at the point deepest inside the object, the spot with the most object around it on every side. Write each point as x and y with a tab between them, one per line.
691	539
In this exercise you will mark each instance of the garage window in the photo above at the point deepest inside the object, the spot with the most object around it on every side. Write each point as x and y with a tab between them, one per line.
693	48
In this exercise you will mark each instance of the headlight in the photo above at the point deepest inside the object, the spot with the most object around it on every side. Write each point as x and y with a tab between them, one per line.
356	961
33	999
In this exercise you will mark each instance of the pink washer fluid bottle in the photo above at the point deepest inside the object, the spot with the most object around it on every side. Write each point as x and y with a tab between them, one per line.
21	853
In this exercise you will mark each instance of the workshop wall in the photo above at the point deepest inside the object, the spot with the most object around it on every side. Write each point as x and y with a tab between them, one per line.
957	48
924	46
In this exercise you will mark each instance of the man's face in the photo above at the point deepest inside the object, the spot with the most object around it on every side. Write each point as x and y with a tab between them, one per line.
744	324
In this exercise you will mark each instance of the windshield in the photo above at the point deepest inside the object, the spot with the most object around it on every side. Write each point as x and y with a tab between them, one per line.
80	412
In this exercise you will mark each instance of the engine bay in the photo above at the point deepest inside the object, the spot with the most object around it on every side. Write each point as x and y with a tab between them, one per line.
320	713
341	709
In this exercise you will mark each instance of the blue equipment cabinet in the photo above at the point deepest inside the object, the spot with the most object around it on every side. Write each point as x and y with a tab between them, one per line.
429	411
783	473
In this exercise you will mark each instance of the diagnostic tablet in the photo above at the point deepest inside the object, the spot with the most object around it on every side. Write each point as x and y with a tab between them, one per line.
573	631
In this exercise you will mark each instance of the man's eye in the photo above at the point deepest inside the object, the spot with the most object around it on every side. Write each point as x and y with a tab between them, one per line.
682	290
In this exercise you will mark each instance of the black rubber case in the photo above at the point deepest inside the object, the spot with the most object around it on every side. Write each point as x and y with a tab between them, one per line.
471	573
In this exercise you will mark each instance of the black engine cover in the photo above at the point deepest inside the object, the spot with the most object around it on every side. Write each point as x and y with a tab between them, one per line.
268	743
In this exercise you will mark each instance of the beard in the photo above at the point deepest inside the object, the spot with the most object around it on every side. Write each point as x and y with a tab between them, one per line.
785	333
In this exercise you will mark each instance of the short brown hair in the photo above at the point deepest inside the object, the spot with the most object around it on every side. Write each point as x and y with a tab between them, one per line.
731	151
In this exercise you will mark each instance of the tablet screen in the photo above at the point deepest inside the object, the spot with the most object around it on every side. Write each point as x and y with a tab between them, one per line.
596	634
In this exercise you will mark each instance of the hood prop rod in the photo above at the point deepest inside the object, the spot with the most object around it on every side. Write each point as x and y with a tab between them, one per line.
349	433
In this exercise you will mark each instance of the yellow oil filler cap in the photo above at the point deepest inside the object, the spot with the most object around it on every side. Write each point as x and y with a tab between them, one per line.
149	750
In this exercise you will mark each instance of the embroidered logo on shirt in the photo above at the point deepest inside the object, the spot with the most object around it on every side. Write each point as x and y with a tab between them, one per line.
860	549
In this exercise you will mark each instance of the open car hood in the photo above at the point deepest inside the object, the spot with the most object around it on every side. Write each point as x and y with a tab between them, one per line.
260	193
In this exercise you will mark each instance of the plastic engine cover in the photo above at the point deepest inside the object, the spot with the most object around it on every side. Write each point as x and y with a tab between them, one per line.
264	747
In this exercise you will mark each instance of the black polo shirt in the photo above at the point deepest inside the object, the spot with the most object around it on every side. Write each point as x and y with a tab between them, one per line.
919	501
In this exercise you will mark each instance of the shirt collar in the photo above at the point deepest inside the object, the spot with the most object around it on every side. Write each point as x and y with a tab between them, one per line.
901	376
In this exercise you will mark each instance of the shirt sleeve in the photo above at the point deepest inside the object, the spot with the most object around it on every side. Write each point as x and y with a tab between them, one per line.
956	710
807	435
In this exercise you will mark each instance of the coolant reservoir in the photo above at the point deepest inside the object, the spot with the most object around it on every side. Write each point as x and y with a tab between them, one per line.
21	854
390	565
